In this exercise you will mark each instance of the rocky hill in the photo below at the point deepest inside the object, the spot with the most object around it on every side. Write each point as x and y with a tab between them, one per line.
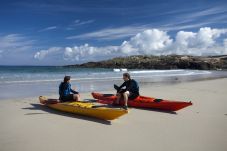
161	62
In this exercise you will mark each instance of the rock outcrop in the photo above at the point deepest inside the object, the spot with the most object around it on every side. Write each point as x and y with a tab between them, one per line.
161	62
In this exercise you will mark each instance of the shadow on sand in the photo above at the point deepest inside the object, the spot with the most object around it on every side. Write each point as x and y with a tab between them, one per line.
157	110
49	110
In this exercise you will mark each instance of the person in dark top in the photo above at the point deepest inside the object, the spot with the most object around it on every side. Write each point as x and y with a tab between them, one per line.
131	90
65	91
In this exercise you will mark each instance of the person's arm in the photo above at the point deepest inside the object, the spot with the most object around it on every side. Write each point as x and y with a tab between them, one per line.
73	91
120	90
124	84
60	89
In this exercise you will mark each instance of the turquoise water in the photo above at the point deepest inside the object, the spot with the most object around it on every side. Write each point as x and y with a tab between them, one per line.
17	74
32	81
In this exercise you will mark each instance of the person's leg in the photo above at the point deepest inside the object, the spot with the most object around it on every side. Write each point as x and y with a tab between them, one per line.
76	97
132	96
67	98
118	98
125	95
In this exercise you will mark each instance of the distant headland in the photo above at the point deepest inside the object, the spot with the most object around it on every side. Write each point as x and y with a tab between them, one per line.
161	62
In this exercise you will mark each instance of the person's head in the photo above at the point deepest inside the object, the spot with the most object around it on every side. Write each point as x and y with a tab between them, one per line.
126	76
67	79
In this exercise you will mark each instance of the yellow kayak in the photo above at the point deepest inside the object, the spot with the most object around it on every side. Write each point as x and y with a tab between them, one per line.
84	108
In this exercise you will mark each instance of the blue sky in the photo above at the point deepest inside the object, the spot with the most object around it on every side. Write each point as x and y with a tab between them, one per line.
58	32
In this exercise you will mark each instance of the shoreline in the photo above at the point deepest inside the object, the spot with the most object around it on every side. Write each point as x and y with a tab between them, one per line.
108	87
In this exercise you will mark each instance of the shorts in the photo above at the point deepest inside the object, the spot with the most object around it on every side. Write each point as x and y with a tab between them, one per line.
131	95
67	98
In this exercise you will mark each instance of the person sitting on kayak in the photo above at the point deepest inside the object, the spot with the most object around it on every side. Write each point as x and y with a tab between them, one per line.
65	91
131	90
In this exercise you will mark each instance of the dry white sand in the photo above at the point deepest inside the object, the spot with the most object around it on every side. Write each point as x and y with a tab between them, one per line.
27	126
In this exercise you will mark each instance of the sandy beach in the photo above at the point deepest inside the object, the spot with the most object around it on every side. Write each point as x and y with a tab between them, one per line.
28	126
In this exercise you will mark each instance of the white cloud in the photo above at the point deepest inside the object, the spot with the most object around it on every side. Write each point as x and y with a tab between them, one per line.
201	43
86	52
147	42
207	12
176	26
157	42
44	53
206	36
1	51
78	22
111	33
196	17
225	44
15	42
48	28
183	19
153	42
184	39
16	49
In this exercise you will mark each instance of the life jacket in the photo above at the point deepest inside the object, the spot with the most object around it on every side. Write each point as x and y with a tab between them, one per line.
62	88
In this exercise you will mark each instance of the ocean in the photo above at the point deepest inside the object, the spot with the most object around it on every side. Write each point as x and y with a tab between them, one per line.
33	81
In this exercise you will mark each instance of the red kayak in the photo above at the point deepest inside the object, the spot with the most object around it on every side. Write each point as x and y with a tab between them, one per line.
143	102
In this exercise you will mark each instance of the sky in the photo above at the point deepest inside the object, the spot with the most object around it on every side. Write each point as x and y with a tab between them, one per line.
61	32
